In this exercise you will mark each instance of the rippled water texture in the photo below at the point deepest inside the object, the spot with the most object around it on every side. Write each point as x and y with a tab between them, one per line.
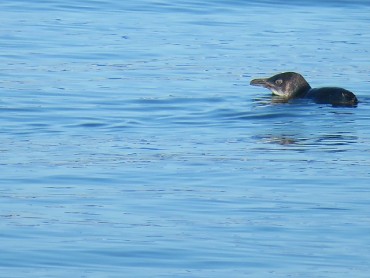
131	144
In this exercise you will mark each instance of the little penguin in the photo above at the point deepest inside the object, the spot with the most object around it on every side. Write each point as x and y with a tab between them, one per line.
291	85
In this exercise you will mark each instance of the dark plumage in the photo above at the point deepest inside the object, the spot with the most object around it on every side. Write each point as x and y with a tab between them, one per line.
291	85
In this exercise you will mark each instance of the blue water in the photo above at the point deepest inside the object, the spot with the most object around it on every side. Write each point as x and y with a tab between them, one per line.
132	145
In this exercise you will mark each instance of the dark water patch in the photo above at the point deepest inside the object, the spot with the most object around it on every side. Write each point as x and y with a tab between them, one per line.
337	139
186	103
331	209
90	125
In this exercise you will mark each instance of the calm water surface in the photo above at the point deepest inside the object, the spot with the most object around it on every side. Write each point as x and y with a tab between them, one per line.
131	144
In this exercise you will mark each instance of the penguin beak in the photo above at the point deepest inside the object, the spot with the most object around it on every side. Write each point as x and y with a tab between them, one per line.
265	83
261	82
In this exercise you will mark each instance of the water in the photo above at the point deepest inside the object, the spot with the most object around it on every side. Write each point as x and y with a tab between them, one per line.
133	146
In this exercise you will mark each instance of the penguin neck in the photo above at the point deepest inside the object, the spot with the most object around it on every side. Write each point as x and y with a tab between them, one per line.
302	91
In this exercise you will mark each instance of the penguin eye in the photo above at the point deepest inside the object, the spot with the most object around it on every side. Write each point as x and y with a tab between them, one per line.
279	82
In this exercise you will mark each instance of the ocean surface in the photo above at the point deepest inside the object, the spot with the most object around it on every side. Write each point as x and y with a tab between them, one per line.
132	145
